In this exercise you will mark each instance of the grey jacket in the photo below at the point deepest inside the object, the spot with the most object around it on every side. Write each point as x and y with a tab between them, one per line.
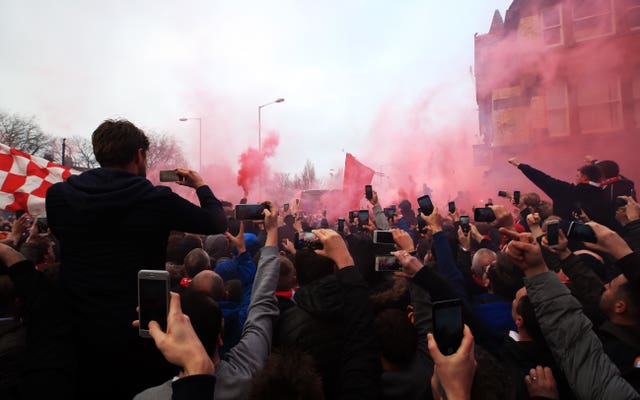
380	219
573	343
240	365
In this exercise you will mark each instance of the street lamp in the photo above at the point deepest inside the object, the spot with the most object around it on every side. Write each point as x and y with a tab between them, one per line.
183	119
260	121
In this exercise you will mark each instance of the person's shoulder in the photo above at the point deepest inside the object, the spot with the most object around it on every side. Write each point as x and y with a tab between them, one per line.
160	392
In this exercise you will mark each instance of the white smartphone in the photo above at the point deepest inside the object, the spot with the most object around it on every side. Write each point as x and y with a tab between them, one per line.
153	299
387	264
383	237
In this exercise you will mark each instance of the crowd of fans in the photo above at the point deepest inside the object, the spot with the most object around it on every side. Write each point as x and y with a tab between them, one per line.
256	313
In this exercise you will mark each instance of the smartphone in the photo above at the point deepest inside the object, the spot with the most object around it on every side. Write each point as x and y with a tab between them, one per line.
425	204
383	237
483	214
553	233
489	202
452	207
502	193
387	264
363	217
576	211
169	176
352	216
285	207
581	232
153	299
250	212
447	325
368	192
389	212
341	225
19	213
620	202
306	240
464	224
516	197
421	223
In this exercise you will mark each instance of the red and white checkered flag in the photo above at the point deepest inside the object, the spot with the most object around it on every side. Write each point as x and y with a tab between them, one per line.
24	180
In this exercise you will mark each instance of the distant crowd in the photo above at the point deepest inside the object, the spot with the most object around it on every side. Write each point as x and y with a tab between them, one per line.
536	296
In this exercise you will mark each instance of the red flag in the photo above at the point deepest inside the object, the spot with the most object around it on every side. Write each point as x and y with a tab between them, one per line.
356	176
24	180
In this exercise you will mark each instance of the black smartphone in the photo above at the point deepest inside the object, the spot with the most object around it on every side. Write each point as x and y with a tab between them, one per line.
285	207
380	236
389	212
363	217
489	202
368	192
464	224
425	204
452	207
43	225
620	202
421	223
19	213
352	216
516	197
502	193
341	225
576	210
447	325
483	214
153	299
387	264
250	212
169	175
581	232
306	240
553	233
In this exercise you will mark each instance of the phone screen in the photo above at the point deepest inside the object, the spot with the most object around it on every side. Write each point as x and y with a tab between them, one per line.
383	237
341	225
368	192
483	214
169	176
452	207
553	233
426	206
153	301
464	224
387	264
516	197
306	240
250	211
581	232
285	207
447	325
363	217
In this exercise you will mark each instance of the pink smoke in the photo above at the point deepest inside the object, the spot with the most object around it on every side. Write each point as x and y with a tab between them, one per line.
253	163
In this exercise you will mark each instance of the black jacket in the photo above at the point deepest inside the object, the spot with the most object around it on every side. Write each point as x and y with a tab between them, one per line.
110	224
565	195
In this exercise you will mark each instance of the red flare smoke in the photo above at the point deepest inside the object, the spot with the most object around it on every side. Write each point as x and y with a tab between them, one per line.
253	163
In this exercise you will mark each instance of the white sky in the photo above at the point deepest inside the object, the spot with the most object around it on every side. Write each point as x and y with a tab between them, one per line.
338	64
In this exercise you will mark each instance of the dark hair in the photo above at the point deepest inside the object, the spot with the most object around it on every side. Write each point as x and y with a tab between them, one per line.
526	311
289	219
35	251
609	168
116	142
205	316
195	261
630	292
592	172
288	375
397	336
287	271
491	381
311	266
505	276
186	244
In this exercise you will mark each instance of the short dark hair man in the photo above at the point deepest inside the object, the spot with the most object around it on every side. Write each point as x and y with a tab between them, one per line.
111	222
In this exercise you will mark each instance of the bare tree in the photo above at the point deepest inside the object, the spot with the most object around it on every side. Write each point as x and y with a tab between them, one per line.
307	179
164	152
78	152
23	134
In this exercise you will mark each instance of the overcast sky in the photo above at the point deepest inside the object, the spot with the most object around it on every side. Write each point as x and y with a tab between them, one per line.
340	65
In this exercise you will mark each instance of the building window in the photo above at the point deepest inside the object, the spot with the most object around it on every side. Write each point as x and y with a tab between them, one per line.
592	18
599	105
557	110
636	97
552	25
633	13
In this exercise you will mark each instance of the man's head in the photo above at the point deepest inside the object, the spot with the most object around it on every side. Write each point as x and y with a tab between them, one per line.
195	261
287	280
397	336
503	277
524	317
311	266
289	220
589	172
620	301
609	168
206	318
120	144
481	260
209	282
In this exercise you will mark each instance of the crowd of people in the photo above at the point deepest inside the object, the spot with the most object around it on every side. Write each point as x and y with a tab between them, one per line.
259	310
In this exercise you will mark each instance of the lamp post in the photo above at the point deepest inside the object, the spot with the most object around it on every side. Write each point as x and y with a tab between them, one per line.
260	121
183	119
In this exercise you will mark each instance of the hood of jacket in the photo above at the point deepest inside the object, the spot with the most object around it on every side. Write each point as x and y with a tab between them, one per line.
321	298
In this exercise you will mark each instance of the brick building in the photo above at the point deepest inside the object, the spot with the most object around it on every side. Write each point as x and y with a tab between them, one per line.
556	80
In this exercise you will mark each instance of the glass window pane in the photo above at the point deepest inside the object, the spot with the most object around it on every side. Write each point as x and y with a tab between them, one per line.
593	26
551	16
588	8
598	118
552	36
